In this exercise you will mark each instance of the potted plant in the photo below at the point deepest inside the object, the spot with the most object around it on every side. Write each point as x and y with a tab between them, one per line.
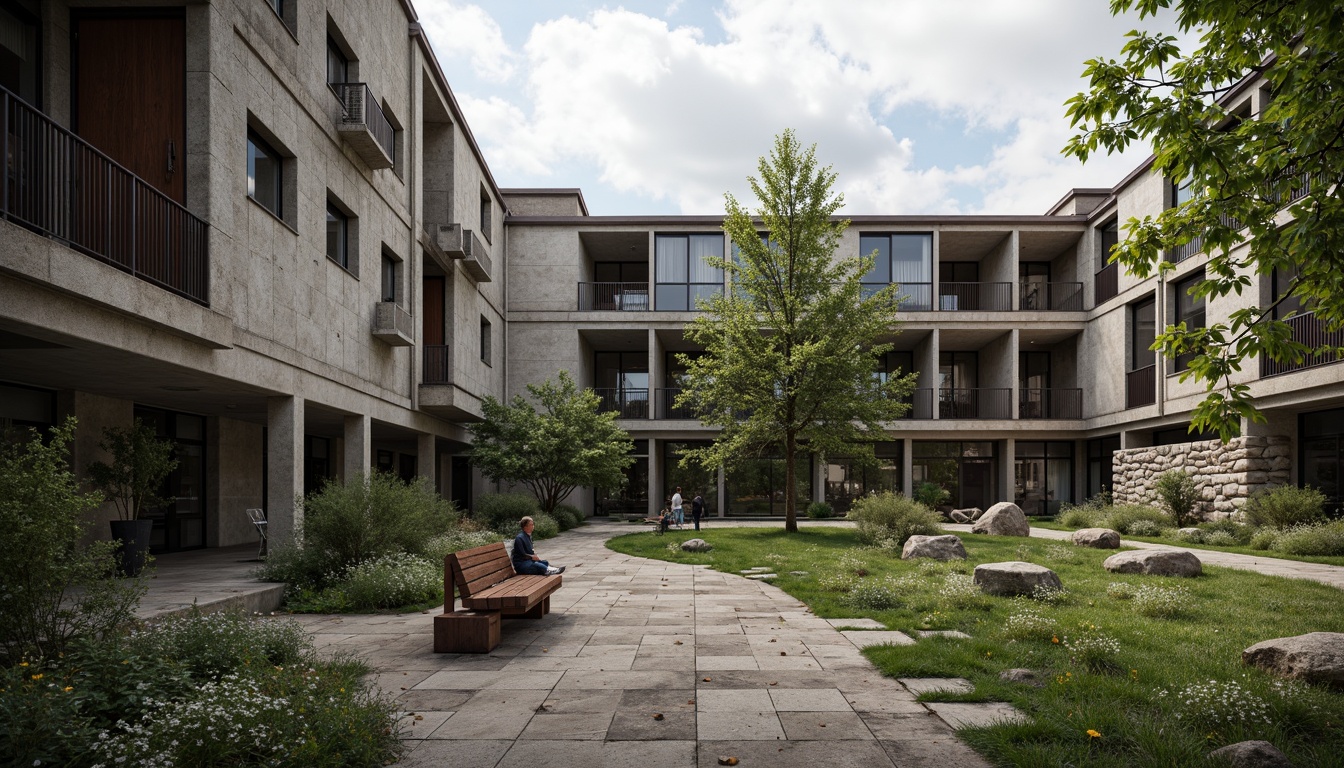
133	481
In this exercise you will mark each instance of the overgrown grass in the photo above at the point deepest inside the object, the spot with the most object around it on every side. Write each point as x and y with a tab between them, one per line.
1323	559
1161	689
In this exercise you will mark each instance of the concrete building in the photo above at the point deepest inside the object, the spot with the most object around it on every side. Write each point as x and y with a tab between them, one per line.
264	227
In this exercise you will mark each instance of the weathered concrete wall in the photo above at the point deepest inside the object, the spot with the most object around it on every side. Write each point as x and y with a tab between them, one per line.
1226	475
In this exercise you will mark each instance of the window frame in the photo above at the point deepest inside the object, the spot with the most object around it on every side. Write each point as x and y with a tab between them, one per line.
256	145
1134	353
883	272
334	50
692	290
390	273
342	221
1190	310
486	343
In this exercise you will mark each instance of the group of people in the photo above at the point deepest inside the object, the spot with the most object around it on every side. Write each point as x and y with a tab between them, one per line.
675	514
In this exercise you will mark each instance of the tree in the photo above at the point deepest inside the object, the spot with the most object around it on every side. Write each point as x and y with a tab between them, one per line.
140	463
790	353
1244	173
568	443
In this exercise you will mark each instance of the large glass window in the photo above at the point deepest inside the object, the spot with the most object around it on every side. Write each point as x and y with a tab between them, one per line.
1110	237
1189	310
691	479
621	379
905	259
756	486
338	64
180	522
1321	450
1042	476
847	481
263	175
1100	464
1281	281
682	272
1142	332
632	497
390	277
958	377
338	235
20	58
965	470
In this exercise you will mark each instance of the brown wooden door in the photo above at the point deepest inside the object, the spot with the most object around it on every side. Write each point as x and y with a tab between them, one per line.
432	331
130	93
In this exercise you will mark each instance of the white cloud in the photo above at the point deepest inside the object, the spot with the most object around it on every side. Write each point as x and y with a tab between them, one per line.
469	32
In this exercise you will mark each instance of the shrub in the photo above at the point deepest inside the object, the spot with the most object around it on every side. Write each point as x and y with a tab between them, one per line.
1218	703
932	495
56	584
391	581
1285	506
891	516
1161	602
872	595
1145	528
439	547
568	516
1123	517
41	723
1264	538
959	590
1320	539
1226	533
211	645
502	511
1028	624
1175	490
373	515
1087	514
819	510
1190	535
546	527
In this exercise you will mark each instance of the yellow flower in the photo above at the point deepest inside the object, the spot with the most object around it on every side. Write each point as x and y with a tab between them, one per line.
69	688
1093	734
37	676
1133	674
23	663
1054	638
989	654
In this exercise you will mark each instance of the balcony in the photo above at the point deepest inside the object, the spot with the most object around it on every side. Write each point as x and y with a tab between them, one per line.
1050	404
393	324
975	297
627	403
614	297
58	185
476	257
921	404
1141	387
1309	330
1108	283
667	409
975	403
1051	297
364	126
438	365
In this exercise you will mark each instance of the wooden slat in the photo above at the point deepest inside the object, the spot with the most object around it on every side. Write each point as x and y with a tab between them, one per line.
477	554
485	575
515	595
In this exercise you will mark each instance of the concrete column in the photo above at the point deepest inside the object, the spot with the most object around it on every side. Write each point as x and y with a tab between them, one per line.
284	447
1007	478
426	452
723	494
655	489
818	478
908	467
358	446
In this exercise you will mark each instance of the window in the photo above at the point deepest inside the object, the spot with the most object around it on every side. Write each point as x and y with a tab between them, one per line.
683	274
338	64
895	364
1280	282
338	235
957	384
1042	476
1189	310
1110	237
486	226
389	273
286	11
1182	192
485	341
966	470
264	184
905	259
20	53
622	382
1142	332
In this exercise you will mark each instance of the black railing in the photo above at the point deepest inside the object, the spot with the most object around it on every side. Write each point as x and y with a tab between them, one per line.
975	297
1107	283
359	107
975	403
667	408
1290	187
1196	245
618	297
628	403
1050	404
1141	387
438	365
1312	331
1053	297
59	185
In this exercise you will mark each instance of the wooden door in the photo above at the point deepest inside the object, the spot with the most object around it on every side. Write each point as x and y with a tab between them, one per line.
432	332
130	93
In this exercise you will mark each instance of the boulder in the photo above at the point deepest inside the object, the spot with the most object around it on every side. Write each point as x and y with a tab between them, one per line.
1155	562
1096	538
1316	657
947	547
1014	578
1003	519
1251	754
696	545
958	516
1021	677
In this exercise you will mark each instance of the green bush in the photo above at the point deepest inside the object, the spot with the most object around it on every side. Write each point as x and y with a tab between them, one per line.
1285	506
818	510
392	581
439	547
502	511
1087	514
1145	528
891	516
41	723
1226	533
1264	538
1318	539
1121	518
932	495
57	584
211	645
546	527
1175	490
568	516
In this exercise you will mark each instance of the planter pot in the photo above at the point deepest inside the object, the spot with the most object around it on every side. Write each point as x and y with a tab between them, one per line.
133	536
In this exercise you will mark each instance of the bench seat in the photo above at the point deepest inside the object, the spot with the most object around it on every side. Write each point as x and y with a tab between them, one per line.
489	588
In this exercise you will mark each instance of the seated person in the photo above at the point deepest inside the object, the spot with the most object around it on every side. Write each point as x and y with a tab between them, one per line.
525	559
665	520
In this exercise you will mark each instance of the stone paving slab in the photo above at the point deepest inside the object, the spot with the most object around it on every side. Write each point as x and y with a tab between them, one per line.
856	623
960	715
869	638
918	685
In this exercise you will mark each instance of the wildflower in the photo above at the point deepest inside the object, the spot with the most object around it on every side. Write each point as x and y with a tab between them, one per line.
1133	674
38	676
69	688
1054	639
1093	734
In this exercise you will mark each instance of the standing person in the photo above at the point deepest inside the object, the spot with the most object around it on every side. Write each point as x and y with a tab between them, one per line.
677	513
525	559
697	509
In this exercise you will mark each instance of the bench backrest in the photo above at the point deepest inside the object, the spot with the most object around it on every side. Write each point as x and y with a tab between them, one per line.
475	569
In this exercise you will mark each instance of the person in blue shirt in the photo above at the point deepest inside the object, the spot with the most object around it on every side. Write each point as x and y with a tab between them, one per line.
525	559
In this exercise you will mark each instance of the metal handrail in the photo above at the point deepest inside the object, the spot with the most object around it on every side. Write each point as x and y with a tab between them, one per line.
619	297
438	365
975	297
1053	297
1141	386
1309	330
359	107
1107	283
629	403
990	403
1050	404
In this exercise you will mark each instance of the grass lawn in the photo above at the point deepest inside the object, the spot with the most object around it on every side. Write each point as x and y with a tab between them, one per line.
1157	674
1326	560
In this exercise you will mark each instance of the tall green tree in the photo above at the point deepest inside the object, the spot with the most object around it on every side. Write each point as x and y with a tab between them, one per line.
560	443
1244	173
791	350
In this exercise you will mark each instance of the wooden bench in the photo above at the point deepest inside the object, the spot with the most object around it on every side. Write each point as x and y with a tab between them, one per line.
488	588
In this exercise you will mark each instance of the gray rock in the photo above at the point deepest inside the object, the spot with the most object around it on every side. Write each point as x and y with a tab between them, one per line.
1097	538
696	545
1003	519
947	547
958	516
1251	754
1022	677
1190	532
1316	657
1155	563
1014	578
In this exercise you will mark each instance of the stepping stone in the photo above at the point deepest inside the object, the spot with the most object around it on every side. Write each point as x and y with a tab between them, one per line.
762	576
856	623
867	639
977	715
757	569
797	573
918	685
943	633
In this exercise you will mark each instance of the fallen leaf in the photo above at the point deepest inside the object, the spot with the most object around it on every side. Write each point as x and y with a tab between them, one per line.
403	687
419	717
690	701
823	725
775	683
727	760
657	715
772	639
676	642
545	650
783	653
706	679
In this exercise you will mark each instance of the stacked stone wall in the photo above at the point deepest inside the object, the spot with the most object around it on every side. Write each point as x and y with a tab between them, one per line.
1226	475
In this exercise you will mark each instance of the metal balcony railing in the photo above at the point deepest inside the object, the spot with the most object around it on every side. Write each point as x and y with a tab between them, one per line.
975	297
438	365
1053	297
975	403
1050	404
1107	283
628	403
59	185
618	297
921	404
1312	331
364	125
667	408
476	257
1141	387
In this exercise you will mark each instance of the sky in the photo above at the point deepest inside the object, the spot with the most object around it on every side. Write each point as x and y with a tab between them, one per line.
919	106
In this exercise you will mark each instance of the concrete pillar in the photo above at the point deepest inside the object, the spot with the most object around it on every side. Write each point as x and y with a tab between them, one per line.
818	478
426	453
723	493
655	489
284	447
358	446
1008	478
908	467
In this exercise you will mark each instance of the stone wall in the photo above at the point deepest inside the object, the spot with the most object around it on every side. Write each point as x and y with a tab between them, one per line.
1226	475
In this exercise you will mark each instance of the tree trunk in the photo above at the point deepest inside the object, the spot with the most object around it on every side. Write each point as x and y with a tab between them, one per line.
790	506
